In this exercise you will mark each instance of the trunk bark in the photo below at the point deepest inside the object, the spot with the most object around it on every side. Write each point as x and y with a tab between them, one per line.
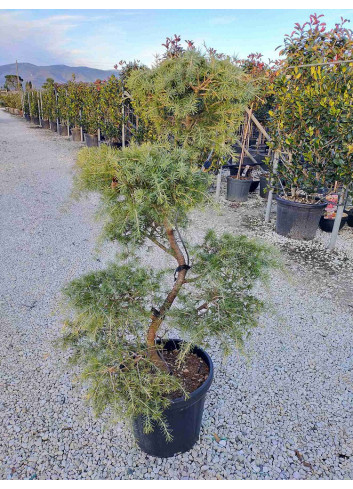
158	319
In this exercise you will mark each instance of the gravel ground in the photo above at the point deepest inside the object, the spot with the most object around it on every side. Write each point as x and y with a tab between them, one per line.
281	411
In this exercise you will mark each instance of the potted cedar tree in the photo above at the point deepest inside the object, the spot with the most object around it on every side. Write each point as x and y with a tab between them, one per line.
124	312
311	123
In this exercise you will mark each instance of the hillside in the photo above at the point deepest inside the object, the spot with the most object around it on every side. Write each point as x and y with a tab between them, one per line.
61	73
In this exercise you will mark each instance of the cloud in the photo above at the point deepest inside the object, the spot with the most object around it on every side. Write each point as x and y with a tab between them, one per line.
223	19
42	41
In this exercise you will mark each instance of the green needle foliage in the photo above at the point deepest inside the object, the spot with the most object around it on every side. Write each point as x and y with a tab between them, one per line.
141	187
194	100
147	192
220	303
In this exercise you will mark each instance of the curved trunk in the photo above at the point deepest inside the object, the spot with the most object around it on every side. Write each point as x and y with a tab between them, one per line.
157	319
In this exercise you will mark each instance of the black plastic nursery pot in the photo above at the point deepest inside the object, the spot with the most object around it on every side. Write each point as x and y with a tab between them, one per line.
35	120
296	220
53	126
350	217
76	134
237	189
182	416
63	129
264	186
28	117
91	140
45	124
253	186
327	224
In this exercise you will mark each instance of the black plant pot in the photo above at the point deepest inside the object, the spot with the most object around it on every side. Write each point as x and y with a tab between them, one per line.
183	417
45	124
63	129
264	186
327	224
253	186
237	190
28	117
296	220
53	126
233	170
91	140
76	134
350	218
35	120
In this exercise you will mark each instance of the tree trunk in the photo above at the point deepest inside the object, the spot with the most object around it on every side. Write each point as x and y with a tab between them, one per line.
157	319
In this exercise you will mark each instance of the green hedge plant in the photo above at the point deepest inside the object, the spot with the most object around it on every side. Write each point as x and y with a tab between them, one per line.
313	114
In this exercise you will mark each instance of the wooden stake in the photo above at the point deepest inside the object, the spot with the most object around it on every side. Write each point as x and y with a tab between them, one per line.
218	184
39	113
81	129
123	127
258	125
270	193
338	218
41	102
244	142
57	119
248	154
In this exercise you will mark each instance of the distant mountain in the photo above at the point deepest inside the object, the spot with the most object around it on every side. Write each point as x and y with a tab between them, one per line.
61	73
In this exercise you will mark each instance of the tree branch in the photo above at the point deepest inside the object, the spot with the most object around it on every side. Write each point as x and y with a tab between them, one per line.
160	245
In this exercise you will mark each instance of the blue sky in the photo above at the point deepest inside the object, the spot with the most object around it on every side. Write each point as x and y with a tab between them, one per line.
100	38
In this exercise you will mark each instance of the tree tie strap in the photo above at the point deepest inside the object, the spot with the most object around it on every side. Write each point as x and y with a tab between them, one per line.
179	269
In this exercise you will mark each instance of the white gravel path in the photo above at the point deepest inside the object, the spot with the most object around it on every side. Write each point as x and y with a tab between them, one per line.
283	411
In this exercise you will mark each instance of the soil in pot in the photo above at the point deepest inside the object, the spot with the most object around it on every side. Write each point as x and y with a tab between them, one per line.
45	124
91	140
76	134
183	416
298	220
326	224
238	189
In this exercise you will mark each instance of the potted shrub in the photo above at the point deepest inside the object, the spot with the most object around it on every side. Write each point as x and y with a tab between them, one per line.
111	98
63	109
74	100
120	332
26	106
48	104
147	192
33	100
238	185
310	122
91	114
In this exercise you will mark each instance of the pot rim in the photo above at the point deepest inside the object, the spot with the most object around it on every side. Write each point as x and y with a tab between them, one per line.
292	203
181	402
245	180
